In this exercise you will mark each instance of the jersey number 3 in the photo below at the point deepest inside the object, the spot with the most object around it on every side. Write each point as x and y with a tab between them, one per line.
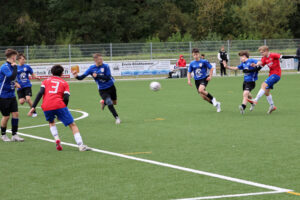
55	87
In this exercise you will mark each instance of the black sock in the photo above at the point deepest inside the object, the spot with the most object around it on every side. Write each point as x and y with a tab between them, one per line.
244	106
210	96
113	111
14	125
3	130
34	112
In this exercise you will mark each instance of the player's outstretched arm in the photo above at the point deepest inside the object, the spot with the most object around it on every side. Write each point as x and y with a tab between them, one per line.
37	100
256	69
229	67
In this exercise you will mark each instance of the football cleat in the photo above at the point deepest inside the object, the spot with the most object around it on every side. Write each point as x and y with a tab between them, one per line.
5	138
34	115
17	138
84	148
118	121
252	106
271	109
102	104
242	111
58	145
218	106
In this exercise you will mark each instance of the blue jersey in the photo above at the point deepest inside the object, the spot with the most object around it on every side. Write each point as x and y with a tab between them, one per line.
7	86
102	70
200	68
23	76
249	77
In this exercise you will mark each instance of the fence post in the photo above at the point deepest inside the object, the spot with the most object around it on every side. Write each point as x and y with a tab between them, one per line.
190	46
70	55
27	54
110	51
151	50
265	42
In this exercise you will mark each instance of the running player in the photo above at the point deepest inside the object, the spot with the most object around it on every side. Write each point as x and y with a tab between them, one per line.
272	60
8	101
250	76
200	68
55	92
25	92
102	76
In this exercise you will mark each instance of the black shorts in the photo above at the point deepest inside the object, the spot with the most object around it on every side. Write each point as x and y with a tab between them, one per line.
8	106
109	92
22	93
201	82
248	86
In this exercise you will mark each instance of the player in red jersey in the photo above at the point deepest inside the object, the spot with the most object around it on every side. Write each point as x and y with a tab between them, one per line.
272	60
55	92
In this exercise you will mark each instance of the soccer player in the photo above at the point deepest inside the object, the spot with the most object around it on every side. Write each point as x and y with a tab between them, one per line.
102	76
8	101
200	68
272	60
250	76
25	92
55	92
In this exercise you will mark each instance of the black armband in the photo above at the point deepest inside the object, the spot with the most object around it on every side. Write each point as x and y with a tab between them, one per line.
256	69
38	97
81	77
14	73
287	57
66	99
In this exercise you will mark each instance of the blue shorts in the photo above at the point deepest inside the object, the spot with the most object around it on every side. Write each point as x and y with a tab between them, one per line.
62	114
271	80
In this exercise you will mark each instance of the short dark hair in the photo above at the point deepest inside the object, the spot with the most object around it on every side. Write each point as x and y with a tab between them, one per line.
244	53
96	55
195	50
57	70
21	55
10	52
203	55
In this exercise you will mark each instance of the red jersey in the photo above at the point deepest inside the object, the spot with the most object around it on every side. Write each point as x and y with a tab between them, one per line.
273	63
55	88
181	63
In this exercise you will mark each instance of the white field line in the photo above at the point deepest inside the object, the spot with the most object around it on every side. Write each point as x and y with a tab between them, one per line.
274	188
234	195
84	115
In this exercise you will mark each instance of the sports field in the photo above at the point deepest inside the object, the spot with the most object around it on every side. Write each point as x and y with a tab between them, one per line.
176	128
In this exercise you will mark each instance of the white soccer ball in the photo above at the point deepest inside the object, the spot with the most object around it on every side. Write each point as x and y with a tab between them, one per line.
155	86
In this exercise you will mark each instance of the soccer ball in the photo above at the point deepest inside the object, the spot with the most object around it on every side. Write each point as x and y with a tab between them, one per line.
155	86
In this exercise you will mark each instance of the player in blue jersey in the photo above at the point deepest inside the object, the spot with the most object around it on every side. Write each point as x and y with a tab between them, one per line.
8	101
203	72
102	76
25	92
250	76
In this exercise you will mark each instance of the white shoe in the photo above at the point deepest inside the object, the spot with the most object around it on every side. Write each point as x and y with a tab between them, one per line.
17	138
5	138
242	111
118	121
271	109
252	107
84	148
34	115
218	106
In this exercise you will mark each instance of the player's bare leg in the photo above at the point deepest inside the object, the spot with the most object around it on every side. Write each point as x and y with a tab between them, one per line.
54	132
14	127
22	101
78	138
4	122
29	101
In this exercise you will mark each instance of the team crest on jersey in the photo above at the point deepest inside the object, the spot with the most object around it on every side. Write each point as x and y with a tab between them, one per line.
102	69
25	69
200	65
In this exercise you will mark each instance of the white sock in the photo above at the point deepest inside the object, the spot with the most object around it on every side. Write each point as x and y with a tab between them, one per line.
214	101
260	93
270	100
78	138
54	132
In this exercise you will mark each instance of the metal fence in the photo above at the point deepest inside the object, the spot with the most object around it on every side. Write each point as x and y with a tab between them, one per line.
147	51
